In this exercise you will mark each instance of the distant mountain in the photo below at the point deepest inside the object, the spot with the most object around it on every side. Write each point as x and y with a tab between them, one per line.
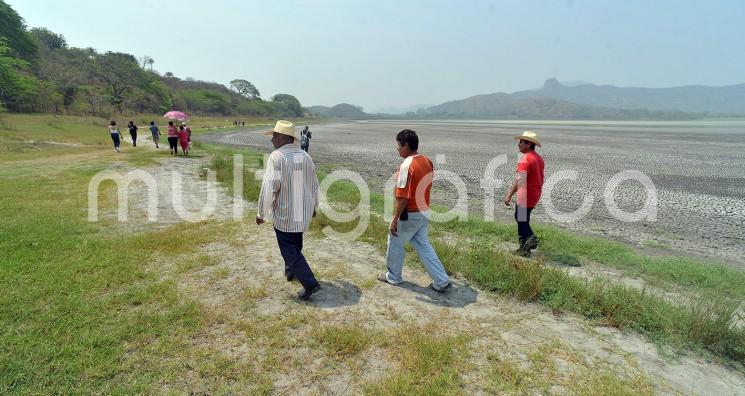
504	105
575	100
727	100
574	83
342	110
402	110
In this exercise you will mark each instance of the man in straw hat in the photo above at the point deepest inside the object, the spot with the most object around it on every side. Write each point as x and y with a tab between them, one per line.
528	185
289	196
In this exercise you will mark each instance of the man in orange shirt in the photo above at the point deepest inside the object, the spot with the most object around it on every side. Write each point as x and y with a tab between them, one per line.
528	185
411	216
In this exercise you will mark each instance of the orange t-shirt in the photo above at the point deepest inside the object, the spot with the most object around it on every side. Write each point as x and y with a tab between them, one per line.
414	181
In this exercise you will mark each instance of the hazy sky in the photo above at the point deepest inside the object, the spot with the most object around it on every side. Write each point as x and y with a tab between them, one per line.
382	53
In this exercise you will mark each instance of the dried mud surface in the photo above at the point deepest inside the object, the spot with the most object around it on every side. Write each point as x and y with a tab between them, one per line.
698	170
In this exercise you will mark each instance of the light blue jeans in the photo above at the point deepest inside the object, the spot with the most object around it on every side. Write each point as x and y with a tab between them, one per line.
416	231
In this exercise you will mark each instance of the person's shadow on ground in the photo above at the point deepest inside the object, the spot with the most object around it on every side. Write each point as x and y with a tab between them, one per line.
336	293
458	296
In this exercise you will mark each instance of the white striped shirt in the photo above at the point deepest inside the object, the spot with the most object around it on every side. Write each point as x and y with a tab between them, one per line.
289	189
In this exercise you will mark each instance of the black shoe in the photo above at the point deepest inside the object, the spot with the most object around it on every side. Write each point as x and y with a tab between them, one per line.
531	243
290	277
304	294
520	248
443	289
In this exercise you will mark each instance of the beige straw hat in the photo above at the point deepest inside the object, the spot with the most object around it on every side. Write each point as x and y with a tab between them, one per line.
285	128
529	136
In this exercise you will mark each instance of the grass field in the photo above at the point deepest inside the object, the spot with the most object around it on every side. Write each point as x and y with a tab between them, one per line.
706	324
81	299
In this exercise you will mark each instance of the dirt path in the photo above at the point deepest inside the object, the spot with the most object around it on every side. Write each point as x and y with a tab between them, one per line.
265	329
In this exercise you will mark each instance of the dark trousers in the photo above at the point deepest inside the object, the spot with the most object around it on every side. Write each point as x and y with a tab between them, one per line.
115	138
304	147
173	143
522	216
134	138
291	244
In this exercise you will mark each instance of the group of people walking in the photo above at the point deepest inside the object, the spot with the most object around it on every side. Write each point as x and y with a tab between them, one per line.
176	136
289	198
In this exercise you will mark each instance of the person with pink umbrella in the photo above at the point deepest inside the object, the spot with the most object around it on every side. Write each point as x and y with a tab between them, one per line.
172	138
173	131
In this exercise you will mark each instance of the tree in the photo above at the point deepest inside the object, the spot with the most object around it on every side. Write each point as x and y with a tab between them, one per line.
94	98
20	43
245	88
288	104
120	73
48	39
17	88
146	60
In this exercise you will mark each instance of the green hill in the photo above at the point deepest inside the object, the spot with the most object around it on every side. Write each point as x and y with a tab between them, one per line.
40	73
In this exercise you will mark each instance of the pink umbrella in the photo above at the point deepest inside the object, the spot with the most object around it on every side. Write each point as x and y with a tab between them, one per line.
176	115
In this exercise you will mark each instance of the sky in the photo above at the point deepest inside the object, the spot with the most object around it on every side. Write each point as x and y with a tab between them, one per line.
381	54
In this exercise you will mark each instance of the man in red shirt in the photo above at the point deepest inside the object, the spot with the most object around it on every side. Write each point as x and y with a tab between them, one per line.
411	216
528	185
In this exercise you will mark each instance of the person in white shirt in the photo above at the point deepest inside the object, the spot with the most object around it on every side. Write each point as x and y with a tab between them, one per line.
289	197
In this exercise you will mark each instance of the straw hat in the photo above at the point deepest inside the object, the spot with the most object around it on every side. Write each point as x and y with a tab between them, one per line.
529	136
285	128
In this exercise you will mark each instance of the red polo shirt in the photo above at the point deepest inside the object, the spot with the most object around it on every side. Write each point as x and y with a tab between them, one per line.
530	192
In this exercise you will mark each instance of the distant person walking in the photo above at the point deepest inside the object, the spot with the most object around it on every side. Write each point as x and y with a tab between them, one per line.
528	185
188	133
289	197
411	215
305	136
133	132
116	136
172	135
155	132
183	138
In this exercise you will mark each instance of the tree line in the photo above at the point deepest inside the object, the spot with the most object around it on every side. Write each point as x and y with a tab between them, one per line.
40	73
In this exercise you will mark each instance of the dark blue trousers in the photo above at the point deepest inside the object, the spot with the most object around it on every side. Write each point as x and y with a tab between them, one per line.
291	244
522	216
115	138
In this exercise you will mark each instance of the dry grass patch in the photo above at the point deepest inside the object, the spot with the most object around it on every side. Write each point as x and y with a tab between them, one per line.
554	368
193	262
342	340
426	363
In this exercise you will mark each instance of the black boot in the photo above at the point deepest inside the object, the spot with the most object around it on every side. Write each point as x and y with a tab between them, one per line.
521	250
531	243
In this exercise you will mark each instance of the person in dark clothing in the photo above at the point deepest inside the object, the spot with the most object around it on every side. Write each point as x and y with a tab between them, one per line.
305	136
133	132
